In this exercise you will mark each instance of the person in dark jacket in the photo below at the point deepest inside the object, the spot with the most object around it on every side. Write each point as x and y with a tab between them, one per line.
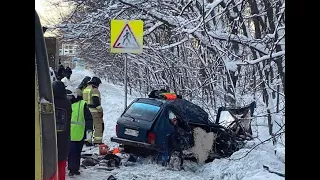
82	86
180	139
68	72
63	119
61	72
81	121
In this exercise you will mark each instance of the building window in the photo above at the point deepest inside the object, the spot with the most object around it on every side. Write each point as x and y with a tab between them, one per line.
70	51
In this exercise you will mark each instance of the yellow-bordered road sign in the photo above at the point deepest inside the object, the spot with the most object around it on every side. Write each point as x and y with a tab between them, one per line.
126	36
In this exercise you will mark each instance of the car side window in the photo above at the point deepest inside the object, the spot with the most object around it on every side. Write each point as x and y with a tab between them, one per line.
172	117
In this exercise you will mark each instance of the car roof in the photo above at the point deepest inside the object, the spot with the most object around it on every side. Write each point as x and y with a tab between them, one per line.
185	109
153	101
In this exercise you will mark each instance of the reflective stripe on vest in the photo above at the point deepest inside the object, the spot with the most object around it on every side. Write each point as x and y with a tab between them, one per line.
77	121
97	138
86	95
93	110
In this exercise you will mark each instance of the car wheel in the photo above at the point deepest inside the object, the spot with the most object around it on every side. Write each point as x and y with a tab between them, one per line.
175	161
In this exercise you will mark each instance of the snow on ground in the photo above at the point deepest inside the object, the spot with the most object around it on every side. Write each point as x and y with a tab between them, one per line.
248	167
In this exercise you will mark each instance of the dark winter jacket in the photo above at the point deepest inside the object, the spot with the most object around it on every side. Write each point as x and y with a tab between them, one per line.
68	72
87	116
61	72
63	119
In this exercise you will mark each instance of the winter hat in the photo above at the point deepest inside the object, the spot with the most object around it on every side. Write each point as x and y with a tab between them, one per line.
95	81
84	82
59	90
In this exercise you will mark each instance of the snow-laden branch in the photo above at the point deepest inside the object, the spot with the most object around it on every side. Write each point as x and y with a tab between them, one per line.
210	6
174	44
148	31
241	40
173	22
263	58
185	7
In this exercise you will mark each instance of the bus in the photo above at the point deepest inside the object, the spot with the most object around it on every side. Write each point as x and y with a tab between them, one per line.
46	157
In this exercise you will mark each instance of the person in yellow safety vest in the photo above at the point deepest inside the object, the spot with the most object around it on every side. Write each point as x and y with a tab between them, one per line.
92	96
81	121
82	86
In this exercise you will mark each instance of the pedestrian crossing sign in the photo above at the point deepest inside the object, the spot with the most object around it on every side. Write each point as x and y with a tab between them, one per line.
126	36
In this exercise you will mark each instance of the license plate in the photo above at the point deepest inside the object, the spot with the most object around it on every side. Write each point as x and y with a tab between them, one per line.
131	132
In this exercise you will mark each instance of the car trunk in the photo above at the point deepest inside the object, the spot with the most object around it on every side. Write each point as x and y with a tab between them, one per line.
133	129
135	123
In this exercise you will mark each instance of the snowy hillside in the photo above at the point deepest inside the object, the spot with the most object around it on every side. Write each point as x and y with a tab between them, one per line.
247	167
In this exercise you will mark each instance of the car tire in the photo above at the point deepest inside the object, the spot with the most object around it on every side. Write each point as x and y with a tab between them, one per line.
175	160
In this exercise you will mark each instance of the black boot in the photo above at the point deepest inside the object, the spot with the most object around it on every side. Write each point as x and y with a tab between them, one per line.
70	173
74	172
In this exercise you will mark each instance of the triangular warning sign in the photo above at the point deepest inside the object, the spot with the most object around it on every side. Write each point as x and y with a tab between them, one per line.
126	39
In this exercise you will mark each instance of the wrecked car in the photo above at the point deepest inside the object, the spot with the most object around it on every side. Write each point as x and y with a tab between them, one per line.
145	127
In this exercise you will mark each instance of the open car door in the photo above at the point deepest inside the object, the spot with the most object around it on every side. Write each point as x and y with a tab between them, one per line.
237	119
46	159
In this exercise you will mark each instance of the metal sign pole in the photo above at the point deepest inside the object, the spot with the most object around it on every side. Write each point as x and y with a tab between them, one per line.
125	80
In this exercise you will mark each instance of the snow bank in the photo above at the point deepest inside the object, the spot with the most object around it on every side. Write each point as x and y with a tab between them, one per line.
247	167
